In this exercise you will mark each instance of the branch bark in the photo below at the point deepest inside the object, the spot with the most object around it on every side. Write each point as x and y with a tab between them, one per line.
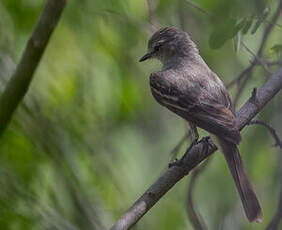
19	83
196	155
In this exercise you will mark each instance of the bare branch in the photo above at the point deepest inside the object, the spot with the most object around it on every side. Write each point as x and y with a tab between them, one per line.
196	155
19	83
270	129
196	221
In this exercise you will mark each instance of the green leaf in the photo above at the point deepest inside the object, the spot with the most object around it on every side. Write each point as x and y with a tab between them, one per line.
260	20
248	25
276	49
224	31
240	24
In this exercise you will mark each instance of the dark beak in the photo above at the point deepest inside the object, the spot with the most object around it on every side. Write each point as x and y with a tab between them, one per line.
145	57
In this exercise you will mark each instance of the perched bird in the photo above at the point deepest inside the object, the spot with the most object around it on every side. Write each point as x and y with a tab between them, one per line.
188	87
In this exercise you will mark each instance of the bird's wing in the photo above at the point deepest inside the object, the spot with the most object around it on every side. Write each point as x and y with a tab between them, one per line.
196	103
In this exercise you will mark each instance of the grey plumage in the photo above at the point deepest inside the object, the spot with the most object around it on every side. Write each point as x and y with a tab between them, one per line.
188	87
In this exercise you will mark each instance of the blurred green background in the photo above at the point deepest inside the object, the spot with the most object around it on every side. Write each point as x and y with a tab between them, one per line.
89	138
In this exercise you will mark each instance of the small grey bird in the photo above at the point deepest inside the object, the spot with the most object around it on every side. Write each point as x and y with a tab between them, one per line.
188	87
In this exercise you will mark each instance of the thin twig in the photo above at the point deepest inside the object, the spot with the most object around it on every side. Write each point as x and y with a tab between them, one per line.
254	95
277	62
274	223
196	220
197	154
19	83
270	129
269	28
151	9
245	72
196	6
265	36
180	13
176	149
275	24
259	59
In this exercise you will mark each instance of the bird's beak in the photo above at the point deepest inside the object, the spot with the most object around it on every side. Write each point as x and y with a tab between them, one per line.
145	57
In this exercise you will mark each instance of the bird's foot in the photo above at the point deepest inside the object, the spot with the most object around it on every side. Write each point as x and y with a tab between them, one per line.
194	142
205	140
176	162
180	163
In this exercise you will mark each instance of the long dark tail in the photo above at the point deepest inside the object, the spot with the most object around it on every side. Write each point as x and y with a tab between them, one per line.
244	187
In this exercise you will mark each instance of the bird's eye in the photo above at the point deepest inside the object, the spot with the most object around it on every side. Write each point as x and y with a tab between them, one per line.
157	47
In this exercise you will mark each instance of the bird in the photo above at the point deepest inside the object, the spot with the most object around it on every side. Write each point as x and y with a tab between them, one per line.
189	88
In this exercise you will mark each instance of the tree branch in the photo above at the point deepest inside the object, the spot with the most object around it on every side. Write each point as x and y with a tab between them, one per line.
270	129
196	155
19	83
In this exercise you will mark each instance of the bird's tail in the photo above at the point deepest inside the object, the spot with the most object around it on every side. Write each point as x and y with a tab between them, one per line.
239	174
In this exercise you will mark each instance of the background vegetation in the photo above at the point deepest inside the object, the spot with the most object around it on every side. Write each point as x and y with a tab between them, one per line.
89	139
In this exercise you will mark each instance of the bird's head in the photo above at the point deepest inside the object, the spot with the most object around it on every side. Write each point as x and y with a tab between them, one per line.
168	43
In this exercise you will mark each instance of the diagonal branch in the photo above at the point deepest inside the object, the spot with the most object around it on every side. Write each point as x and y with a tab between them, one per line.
196	155
19	83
